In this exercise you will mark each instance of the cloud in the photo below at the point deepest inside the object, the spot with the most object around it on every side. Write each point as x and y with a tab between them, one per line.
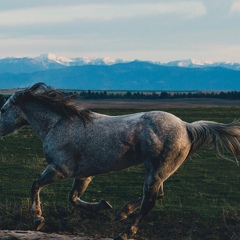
161	30
235	7
99	12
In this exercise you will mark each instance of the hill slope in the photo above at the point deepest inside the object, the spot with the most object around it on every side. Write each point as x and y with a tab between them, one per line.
134	75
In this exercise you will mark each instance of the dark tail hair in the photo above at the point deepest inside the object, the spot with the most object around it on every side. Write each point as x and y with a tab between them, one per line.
218	135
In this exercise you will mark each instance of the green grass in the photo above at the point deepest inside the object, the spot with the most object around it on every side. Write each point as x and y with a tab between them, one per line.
201	199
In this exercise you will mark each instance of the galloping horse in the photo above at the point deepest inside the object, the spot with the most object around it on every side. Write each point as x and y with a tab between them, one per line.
80	144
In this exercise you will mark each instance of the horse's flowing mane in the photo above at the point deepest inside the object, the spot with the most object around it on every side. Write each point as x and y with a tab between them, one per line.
55	100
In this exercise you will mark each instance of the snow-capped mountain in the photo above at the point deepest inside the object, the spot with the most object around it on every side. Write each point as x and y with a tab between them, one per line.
188	63
52	58
193	63
49	61
136	75
115	74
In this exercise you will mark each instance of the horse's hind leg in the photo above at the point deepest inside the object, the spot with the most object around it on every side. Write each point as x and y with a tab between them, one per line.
78	188
132	206
157	173
151	191
127	209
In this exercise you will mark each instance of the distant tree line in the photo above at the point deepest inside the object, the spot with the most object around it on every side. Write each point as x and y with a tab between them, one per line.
233	95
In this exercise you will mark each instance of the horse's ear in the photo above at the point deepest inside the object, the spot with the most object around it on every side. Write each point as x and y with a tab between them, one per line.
38	87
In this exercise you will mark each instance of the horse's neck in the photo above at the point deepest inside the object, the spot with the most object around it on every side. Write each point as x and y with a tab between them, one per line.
41	119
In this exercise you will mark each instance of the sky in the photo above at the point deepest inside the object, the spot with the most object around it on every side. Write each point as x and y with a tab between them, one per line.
154	30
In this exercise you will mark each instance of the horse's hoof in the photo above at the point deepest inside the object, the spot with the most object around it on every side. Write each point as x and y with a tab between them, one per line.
38	223
120	216
104	205
121	237
118	238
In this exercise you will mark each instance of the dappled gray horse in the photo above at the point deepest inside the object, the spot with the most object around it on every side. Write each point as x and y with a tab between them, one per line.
80	144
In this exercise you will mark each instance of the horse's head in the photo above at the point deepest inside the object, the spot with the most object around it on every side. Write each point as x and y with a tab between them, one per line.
11	115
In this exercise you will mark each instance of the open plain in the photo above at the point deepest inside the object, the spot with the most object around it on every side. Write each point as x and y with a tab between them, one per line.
201	199
158	104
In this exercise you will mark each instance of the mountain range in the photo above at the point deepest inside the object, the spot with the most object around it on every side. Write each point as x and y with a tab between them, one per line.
116	74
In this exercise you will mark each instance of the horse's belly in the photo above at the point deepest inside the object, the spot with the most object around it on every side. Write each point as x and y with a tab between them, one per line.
103	161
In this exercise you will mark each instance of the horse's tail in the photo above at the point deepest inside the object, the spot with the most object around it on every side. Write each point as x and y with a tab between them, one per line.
218	135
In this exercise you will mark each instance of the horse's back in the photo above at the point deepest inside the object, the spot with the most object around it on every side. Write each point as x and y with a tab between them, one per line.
163	123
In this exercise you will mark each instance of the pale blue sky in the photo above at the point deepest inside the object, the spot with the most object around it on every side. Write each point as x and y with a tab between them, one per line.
147	30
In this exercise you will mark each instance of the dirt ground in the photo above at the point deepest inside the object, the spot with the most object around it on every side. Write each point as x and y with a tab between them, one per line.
30	235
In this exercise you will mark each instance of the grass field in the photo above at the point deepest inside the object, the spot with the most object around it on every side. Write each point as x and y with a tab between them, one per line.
201	199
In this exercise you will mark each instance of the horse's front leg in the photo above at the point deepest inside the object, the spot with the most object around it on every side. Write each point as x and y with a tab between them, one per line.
78	188
50	175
